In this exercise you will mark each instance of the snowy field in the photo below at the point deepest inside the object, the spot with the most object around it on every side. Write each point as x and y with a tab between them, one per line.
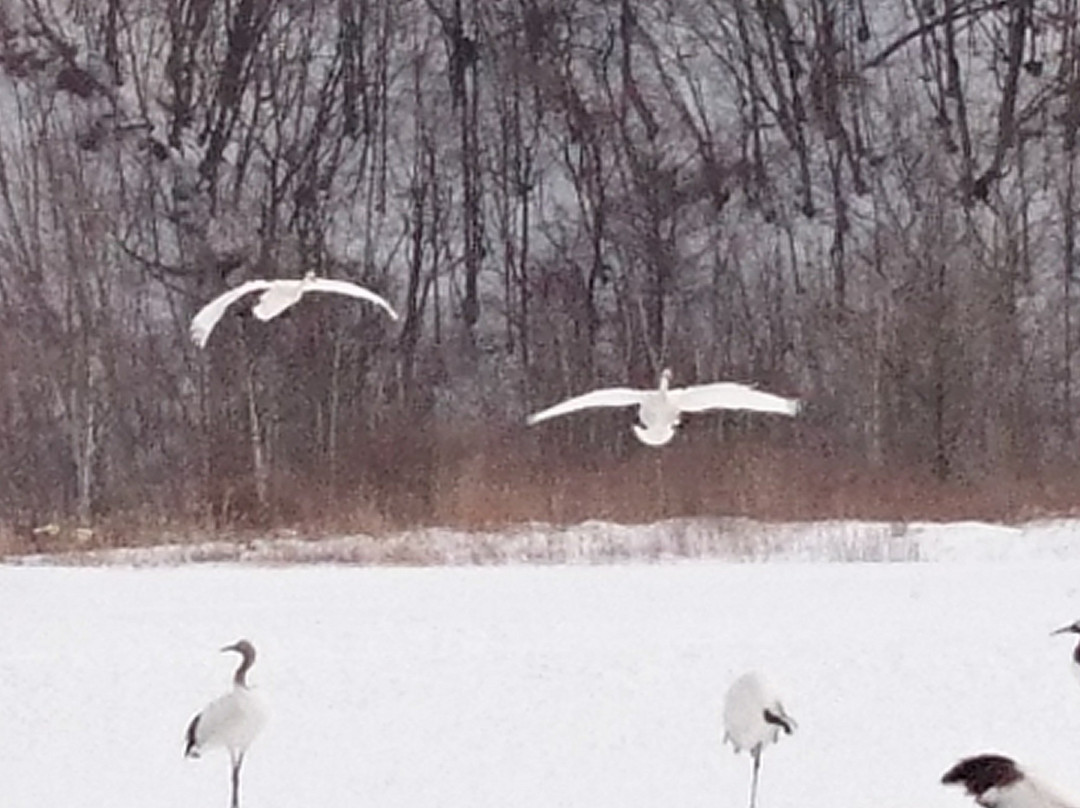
559	685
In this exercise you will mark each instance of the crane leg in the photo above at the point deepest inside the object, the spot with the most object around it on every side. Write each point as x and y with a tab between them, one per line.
238	761
753	781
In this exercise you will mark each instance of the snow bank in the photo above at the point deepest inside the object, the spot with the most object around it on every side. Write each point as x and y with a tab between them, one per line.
605	542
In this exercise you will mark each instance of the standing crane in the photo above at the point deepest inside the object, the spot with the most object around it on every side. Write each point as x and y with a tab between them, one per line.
753	718
231	721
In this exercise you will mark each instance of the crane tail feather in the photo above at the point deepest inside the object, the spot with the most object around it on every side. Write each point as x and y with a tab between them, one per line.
780	720
192	748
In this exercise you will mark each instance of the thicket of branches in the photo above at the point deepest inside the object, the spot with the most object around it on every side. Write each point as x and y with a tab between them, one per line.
871	206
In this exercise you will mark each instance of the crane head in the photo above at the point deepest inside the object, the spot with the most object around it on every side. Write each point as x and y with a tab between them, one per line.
981	773
242	647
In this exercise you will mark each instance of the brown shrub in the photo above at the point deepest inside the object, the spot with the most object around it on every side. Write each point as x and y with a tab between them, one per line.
483	479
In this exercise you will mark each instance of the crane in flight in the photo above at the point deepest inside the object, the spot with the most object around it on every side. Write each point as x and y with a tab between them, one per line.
659	411
276	297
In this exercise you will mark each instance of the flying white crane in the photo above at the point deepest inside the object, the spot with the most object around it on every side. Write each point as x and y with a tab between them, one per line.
996	781
276	296
231	721
659	410
753	718
1072	628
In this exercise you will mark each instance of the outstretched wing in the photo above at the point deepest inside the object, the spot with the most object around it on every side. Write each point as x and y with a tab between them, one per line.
351	290
730	396
609	397
203	322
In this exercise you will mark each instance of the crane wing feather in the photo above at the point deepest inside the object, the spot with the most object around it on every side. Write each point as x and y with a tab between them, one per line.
232	721
730	396
207	317
609	397
351	290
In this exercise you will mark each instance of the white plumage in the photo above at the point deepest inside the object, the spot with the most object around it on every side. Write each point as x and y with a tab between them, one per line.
276	296
231	721
659	410
996	781
753	718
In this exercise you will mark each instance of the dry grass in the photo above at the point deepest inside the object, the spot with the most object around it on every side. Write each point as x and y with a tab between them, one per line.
585	543
747	478
484	482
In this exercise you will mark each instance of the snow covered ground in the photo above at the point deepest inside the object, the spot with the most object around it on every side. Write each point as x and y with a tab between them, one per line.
558	685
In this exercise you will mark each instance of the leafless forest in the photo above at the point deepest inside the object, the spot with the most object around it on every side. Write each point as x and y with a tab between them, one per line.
871	206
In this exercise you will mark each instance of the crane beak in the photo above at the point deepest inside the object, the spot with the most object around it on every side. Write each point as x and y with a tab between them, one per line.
232	647
1070	629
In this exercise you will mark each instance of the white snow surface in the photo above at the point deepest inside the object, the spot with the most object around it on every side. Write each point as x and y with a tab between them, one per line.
547	685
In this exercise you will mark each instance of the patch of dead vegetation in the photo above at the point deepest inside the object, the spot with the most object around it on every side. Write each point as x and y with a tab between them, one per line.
488	486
